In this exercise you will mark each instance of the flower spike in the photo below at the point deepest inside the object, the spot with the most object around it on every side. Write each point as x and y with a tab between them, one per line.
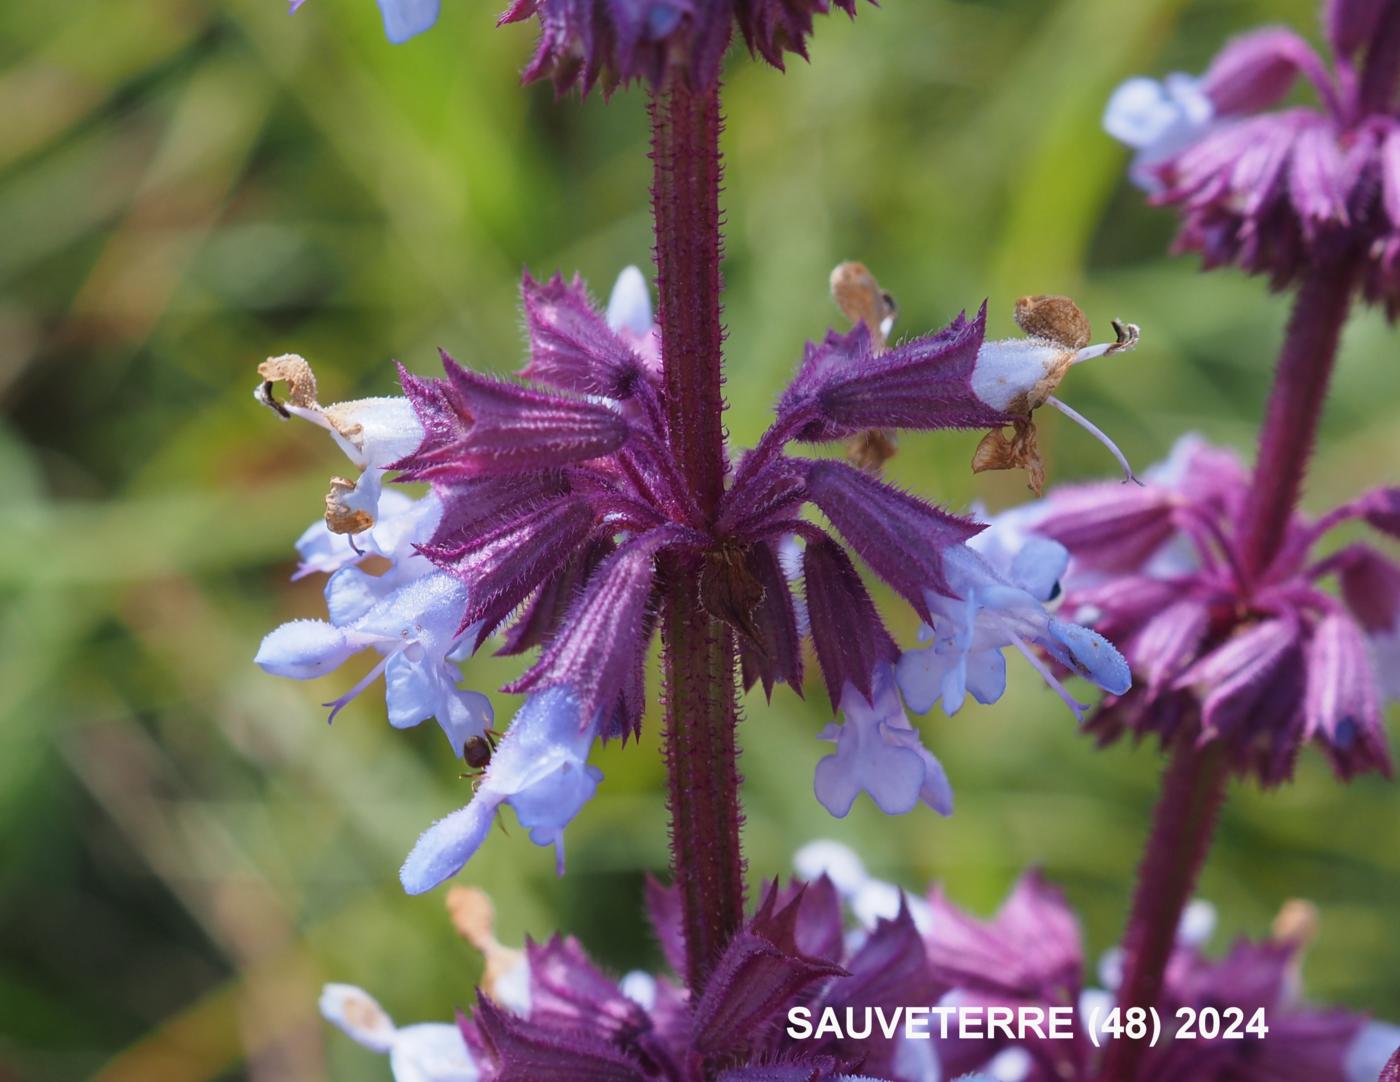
572	346
479	425
553	497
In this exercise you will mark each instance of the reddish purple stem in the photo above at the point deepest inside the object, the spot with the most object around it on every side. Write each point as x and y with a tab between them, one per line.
1193	791
1295	408
1195	783
699	652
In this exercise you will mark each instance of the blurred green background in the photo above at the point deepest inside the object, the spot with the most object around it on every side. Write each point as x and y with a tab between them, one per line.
187	187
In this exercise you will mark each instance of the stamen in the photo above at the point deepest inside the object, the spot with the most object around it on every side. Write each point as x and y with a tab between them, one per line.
1128	336
264	394
1049	677
337	705
1098	434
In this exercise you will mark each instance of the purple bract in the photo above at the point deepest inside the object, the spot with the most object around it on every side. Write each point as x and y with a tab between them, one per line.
587	43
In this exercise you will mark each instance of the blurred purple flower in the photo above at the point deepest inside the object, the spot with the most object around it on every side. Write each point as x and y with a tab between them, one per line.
794	951
550	1013
1029	954
1269	664
1270	190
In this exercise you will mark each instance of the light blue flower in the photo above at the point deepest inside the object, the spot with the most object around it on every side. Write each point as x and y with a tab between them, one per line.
880	753
403	19
540	768
373	432
1001	590
401	521
428	1052
413	625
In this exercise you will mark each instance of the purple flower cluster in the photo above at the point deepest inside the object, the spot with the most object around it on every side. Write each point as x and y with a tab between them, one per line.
609	43
1276	190
1260	664
844	946
584	43
558	509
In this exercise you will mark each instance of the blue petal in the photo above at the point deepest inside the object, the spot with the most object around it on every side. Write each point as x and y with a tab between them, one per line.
876	752
1038	567
986	675
463	714
405	18
305	649
351	593
540	768
410	690
548	806
920	674
1090	655
446	846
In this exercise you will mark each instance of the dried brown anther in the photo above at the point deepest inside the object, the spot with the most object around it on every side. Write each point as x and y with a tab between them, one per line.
861	300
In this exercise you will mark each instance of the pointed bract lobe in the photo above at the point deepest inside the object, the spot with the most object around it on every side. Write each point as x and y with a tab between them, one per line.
1342	699
572	347
843	387
1030	950
545	612
479	425
606	629
898	535
850	639
761	970
1233	676
568	990
504	566
520	1050
776	656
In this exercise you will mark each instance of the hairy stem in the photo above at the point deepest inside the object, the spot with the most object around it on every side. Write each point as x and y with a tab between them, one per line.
1295	408
1193	791
699	652
685	205
702	761
1194	787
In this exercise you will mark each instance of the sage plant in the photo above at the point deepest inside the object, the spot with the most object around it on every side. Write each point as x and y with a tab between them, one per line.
593	504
